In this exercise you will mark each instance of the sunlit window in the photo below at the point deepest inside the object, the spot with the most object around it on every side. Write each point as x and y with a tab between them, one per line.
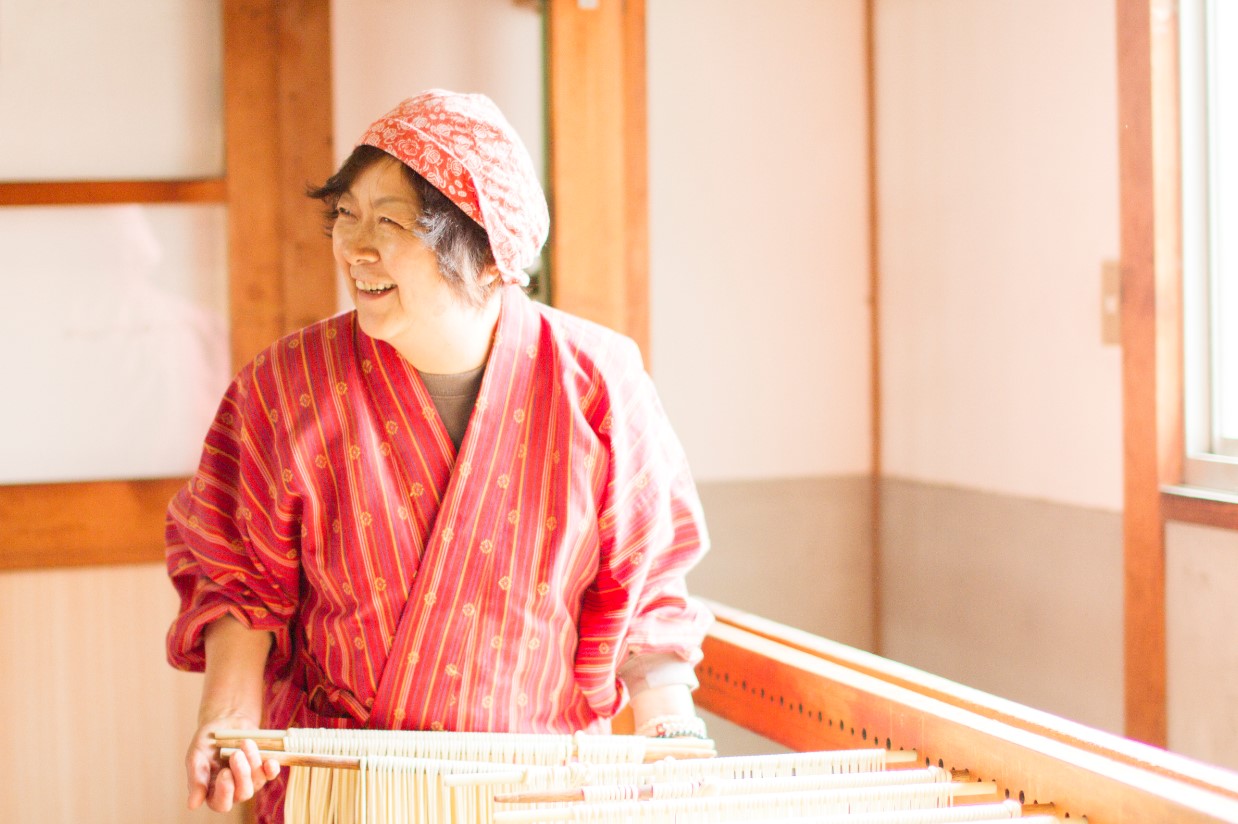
1210	239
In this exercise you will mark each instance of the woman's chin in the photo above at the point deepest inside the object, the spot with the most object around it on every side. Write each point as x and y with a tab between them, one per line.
375	327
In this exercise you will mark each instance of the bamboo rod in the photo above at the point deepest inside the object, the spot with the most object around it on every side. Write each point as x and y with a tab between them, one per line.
272	743
300	759
892	758
645	792
999	810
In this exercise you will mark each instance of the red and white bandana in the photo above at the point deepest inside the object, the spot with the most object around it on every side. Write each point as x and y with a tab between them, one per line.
464	146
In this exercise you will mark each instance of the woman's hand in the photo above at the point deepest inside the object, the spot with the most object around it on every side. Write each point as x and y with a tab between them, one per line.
223	784
231	700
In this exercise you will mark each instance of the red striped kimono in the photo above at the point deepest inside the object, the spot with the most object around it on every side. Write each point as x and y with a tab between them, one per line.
411	587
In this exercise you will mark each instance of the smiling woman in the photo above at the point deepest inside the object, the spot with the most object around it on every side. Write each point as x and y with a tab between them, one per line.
452	509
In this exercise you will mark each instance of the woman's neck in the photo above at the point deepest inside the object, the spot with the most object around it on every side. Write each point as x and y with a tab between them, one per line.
455	339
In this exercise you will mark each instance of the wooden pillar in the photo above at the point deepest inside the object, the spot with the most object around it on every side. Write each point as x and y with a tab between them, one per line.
599	163
277	102
1151	341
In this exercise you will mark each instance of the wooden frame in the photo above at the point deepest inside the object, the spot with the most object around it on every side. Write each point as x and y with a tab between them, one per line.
1151	342
1152	350
808	693
1189	506
874	325
97	193
277	111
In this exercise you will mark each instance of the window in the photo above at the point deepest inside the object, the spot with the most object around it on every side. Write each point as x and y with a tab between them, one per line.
1209	105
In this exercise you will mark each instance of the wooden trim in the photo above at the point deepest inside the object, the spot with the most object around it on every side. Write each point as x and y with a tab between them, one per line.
83	524
598	150
807	703
1143	533
98	192
1151	341
874	323
1158	760
1193	506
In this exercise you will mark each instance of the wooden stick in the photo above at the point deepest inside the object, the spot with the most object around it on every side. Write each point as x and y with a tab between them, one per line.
253	735
655	748
645	792
263	743
894	757
299	759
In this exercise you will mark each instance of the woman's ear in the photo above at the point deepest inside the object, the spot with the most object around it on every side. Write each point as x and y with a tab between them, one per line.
491	276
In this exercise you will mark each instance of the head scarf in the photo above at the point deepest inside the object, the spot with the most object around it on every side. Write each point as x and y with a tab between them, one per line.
465	148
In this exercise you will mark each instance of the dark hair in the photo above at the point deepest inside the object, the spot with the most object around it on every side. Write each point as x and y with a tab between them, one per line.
459	243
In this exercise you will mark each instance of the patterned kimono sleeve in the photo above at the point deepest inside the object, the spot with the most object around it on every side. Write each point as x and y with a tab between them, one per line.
652	532
233	534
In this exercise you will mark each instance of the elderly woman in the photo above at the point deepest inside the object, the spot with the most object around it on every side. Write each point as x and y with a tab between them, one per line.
452	508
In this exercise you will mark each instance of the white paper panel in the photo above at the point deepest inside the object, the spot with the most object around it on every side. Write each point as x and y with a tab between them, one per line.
117	89
114	339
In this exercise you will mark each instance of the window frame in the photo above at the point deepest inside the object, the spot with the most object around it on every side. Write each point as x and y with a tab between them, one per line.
1153	342
280	272
1210	461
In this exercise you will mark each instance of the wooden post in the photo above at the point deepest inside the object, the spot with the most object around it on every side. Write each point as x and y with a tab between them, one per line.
277	102
1151	341
599	163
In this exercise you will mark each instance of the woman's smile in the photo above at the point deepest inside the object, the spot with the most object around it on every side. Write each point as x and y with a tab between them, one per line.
370	288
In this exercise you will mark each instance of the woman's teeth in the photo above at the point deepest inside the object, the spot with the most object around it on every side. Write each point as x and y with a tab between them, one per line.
373	288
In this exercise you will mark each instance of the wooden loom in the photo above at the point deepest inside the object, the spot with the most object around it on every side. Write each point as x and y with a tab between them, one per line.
808	693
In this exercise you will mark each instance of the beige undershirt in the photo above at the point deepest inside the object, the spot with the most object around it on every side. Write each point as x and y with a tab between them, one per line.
454	396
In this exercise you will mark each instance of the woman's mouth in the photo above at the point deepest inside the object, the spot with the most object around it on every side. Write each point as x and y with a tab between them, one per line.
373	288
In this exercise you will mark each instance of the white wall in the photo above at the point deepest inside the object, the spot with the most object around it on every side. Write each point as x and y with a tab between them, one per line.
997	159
758	234
384	51
757	202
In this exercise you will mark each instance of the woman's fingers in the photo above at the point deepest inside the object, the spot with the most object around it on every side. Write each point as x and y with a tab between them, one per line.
198	771
222	793
241	765
223	786
271	768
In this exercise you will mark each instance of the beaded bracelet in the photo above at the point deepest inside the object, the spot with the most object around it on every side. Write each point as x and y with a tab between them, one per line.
673	726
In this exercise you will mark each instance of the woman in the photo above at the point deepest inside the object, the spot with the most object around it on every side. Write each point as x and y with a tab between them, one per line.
453	508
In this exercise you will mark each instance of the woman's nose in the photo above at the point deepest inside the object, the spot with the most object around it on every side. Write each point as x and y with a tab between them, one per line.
357	246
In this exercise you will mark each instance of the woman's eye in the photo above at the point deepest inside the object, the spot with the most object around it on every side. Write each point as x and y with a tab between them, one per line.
390	220
340	211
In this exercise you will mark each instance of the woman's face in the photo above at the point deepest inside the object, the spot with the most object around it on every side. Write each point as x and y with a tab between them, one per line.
393	277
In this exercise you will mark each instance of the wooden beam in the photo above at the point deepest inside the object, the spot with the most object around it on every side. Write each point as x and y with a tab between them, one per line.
1151	341
278	139
874	327
307	156
83	524
1202	507
598	163
98	192
1143	756
807	703
252	143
